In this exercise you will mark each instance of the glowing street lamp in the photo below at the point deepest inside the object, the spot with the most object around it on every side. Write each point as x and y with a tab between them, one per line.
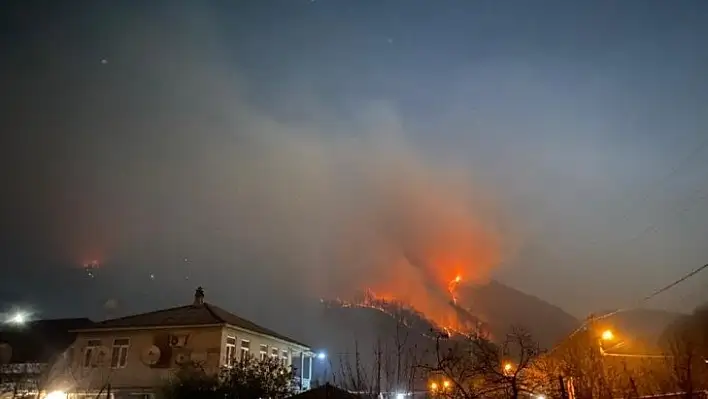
321	356
446	384
19	318
56	395
508	367
607	335
434	386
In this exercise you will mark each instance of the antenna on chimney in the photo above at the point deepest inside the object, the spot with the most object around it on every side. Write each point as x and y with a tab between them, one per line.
199	296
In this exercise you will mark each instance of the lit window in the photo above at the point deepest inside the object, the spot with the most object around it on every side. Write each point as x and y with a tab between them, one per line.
230	350
119	355
274	353
90	351
245	348
264	351
284	355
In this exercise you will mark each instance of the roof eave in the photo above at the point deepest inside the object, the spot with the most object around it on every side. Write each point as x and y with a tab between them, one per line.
187	326
158	327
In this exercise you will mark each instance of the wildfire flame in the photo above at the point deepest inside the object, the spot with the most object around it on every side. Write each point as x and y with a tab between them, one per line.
452	285
451	320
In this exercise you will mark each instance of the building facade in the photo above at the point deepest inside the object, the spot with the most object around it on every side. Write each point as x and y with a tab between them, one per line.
136	355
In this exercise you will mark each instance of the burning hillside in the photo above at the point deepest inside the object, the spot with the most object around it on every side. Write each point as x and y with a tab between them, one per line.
455	320
490	308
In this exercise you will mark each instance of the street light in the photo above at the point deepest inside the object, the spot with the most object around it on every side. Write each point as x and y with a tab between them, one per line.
508	367
19	318
607	335
321	356
434	386
56	395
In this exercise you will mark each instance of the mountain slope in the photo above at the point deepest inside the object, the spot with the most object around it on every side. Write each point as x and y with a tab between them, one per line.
501	307
641	330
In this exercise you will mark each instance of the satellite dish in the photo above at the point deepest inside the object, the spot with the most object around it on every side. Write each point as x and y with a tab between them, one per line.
5	353
151	355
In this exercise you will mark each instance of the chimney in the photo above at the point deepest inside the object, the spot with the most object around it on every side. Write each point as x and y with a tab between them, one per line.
199	296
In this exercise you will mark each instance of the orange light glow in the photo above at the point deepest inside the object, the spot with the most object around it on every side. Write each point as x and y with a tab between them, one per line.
449	242
451	288
446	384
434	386
508	367
608	335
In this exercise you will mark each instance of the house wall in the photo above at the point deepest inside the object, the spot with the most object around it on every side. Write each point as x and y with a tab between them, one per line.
203	344
255	342
295	353
206	345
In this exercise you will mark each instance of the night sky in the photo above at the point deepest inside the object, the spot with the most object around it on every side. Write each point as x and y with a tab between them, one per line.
278	151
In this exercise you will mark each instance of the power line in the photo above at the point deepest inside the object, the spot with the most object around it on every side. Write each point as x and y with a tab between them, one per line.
643	300
657	292
651	188
677	210
675	283
655	226
684	161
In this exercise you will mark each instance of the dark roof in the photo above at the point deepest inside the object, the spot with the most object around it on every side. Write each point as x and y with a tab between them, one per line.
326	391
190	315
38	341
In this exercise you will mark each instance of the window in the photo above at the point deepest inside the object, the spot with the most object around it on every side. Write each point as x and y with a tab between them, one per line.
119	355
245	348
284	357
274	353
230	350
90	351
307	367
264	352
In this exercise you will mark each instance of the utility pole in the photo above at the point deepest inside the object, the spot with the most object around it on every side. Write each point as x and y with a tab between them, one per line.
379	356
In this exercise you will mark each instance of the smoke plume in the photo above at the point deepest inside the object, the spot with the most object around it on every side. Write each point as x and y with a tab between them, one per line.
172	164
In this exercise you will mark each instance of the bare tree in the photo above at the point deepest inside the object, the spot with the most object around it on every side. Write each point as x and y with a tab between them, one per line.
393	367
685	344
580	361
405	355
476	367
354	376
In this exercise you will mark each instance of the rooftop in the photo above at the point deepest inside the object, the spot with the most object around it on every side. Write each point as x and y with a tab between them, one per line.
199	313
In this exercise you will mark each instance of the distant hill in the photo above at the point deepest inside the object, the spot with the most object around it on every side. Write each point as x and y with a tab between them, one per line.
501	307
342	329
496	304
641	329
